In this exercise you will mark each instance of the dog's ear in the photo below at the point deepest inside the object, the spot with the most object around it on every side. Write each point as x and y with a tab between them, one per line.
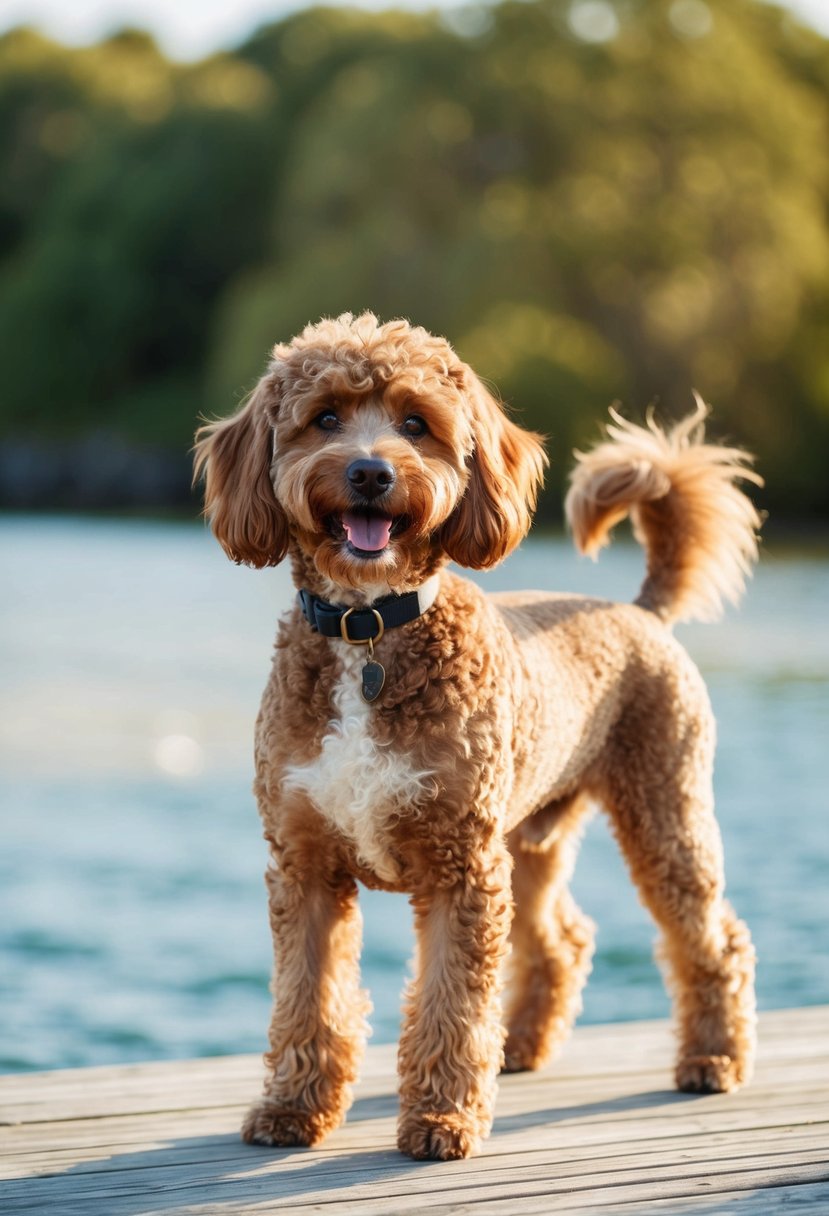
505	474
235	455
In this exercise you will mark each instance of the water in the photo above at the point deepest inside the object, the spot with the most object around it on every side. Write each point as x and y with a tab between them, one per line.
132	909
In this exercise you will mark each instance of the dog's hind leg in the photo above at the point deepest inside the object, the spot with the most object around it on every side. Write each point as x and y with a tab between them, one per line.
551	938
318	1027
451	1045
659	795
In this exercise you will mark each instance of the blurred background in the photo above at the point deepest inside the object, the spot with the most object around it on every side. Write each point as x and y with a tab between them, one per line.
594	200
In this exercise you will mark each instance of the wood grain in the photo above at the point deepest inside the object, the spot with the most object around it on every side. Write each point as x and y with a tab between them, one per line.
600	1131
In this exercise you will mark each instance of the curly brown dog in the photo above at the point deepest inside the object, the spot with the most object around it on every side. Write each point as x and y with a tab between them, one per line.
421	736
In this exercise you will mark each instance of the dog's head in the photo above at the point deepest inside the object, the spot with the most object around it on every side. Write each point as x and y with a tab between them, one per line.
375	452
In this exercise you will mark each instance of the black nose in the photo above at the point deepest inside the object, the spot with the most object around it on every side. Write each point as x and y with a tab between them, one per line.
370	477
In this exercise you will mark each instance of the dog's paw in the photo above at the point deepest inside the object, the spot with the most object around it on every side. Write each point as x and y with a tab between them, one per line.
275	1124
521	1054
438	1136
708	1074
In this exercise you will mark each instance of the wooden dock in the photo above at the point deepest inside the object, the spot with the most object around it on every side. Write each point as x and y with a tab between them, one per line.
600	1131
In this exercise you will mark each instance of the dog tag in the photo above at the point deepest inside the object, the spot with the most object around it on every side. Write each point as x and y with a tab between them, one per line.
374	677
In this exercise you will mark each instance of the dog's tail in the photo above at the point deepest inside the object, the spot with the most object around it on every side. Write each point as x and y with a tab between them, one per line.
698	528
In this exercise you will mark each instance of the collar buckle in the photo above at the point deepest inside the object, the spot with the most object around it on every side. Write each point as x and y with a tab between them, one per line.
381	629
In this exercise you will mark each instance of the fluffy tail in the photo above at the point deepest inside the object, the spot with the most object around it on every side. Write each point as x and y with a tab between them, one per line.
698	528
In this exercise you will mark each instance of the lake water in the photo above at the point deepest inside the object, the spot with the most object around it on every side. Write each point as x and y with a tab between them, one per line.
132	910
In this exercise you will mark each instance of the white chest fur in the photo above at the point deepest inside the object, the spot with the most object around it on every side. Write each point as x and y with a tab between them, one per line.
360	786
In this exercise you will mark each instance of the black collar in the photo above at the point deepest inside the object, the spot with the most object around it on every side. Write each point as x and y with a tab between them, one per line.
366	624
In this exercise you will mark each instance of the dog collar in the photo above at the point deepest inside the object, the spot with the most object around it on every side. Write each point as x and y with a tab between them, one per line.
359	626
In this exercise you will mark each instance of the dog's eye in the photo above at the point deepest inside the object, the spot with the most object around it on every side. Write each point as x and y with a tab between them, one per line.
414	426
327	421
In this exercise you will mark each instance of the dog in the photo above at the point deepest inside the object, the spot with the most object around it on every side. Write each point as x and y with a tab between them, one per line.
417	735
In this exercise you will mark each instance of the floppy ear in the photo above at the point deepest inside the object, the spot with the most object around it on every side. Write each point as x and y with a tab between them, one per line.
235	455
505	473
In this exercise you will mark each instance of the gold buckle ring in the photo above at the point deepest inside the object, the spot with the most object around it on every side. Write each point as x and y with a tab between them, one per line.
381	629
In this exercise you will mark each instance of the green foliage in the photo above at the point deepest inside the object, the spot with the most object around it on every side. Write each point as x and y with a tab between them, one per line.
106	292
592	201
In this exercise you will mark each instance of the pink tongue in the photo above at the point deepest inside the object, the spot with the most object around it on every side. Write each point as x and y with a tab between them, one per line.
369	532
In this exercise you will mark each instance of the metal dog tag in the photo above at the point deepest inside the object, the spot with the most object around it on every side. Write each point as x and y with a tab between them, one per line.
374	677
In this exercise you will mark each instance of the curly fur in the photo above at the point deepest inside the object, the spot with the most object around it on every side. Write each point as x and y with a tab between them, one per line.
502	718
361	786
698	528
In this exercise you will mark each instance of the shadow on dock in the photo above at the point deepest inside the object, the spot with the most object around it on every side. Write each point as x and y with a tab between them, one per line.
219	1172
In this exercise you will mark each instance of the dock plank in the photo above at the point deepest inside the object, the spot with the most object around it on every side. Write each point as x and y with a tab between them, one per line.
599	1131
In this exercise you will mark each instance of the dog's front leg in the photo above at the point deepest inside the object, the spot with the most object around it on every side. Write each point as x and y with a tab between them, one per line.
451	1048
318	1028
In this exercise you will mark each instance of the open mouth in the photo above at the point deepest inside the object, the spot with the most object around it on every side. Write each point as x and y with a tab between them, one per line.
367	532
